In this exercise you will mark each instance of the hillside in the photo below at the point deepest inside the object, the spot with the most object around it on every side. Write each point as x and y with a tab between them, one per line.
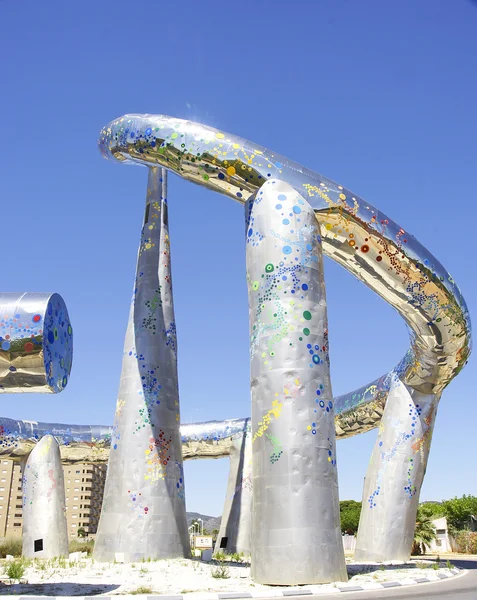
210	523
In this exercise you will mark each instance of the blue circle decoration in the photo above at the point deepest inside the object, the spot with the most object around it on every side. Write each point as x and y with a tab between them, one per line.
287	250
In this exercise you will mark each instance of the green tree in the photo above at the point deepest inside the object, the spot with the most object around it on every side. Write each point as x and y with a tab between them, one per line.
350	511
434	510
81	532
459	511
424	533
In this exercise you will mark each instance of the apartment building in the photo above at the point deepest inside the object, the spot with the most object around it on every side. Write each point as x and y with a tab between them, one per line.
11	499
84	488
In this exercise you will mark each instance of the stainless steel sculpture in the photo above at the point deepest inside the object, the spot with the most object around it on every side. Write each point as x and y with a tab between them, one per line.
36	343
395	475
143	513
362	239
235	534
296	529
45	533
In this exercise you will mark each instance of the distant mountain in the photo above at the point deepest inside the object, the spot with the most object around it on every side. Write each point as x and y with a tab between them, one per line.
210	523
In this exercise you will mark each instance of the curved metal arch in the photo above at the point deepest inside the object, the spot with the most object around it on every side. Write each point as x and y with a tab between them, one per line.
355	234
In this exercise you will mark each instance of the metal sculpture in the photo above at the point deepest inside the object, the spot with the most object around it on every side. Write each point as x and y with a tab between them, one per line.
370	246
45	533
143	514
36	343
295	479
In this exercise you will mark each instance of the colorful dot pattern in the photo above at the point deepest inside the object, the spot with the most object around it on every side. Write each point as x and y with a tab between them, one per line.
36	343
383	255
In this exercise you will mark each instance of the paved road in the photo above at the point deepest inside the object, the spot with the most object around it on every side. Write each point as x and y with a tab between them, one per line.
462	587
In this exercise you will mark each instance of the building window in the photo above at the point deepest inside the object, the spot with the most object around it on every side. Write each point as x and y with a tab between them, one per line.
78	472
17	524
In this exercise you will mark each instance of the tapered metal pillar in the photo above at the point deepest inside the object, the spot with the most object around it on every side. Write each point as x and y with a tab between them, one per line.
296	535
143	513
395	475
45	533
236	525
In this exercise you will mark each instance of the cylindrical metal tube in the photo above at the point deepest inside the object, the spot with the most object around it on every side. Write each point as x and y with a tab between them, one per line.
296	535
36	343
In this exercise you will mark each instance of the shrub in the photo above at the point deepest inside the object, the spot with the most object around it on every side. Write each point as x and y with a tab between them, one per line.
81	546
221	572
11	546
236	557
466	542
15	570
141	590
220	556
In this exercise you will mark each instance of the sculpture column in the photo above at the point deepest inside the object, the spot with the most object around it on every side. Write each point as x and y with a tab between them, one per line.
45	533
236	524
395	475
296	536
143	514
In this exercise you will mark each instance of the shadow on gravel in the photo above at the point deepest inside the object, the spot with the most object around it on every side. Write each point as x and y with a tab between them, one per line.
462	563
55	589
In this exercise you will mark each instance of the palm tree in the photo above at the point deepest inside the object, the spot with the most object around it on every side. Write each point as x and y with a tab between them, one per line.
424	533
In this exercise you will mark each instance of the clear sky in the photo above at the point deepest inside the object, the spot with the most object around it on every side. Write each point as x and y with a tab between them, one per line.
380	96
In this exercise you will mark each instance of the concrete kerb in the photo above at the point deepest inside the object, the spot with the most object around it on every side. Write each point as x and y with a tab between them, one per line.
279	593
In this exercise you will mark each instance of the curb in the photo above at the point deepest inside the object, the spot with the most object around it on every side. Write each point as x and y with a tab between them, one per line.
280	593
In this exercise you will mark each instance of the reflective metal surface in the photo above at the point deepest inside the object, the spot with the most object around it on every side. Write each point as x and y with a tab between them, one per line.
91	443
395	474
365	241
296	511
210	439
143	515
36	343
45	534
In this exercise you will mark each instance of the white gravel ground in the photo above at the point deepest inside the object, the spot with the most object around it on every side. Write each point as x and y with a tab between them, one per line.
180	576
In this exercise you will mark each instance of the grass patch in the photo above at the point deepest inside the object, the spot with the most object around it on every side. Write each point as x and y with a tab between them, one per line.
221	572
141	590
15	569
219	556
12	546
81	546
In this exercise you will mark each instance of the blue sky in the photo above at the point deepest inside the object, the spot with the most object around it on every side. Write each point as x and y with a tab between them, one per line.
379	96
